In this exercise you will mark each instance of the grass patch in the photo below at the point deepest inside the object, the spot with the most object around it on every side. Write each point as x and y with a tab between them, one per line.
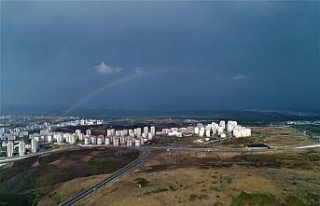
16	199
313	129
294	201
193	197
24	180
253	199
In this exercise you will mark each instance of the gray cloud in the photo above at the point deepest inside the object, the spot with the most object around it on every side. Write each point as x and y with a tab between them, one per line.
139	70
236	77
104	69
239	76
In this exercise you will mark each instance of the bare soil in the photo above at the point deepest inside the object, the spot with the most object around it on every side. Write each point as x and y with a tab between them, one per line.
189	178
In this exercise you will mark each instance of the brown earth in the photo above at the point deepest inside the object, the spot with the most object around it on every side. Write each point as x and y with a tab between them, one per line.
36	164
188	178
86	158
69	189
8	165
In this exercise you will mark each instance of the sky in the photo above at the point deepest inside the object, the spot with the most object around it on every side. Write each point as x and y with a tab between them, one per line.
235	55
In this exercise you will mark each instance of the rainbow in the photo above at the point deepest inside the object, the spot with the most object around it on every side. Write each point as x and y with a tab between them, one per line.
123	79
110	84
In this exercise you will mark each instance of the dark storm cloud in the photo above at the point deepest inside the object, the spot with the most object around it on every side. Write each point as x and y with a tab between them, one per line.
195	55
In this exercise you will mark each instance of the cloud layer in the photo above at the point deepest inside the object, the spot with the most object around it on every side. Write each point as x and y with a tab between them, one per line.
105	69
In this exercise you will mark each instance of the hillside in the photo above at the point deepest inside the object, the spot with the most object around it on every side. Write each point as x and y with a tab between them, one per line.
36	177
286	178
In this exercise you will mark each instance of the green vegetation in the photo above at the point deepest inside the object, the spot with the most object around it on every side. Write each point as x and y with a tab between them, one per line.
238	142
142	181
294	201
37	176
306	160
302	160
193	197
313	129
253	199
16	199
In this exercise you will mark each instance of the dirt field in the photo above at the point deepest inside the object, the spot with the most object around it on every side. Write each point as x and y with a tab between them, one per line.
274	178
278	136
273	136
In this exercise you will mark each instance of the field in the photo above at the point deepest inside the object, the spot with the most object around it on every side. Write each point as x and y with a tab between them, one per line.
38	178
204	178
279	136
310	129
273	136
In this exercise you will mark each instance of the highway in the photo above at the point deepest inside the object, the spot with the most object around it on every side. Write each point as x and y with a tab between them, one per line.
100	184
226	149
12	159
201	149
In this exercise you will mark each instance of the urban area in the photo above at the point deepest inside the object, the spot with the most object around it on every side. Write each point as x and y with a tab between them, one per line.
21	141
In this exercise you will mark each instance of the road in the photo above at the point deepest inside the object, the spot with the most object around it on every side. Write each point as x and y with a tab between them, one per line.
244	149
100	184
12	159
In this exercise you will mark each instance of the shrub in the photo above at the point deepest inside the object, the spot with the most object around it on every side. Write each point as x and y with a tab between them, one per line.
294	201
142	181
193	197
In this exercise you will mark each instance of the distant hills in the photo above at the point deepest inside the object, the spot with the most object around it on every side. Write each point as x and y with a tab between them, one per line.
243	115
